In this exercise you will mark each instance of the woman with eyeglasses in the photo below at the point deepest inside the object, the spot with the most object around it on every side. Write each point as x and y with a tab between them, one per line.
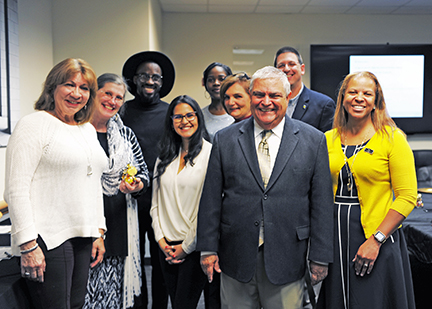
234	93
177	185
215	115
122	251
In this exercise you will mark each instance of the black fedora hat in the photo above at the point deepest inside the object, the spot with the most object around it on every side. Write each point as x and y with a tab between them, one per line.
168	72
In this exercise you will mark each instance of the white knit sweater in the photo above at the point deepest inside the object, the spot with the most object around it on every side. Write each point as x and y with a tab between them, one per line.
47	187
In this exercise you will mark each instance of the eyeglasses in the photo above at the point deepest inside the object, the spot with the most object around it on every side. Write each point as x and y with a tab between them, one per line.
242	76
144	77
291	65
179	118
108	95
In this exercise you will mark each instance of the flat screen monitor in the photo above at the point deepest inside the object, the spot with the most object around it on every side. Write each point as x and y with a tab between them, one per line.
404	72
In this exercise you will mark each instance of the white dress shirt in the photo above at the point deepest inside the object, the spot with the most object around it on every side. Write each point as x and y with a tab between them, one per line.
273	141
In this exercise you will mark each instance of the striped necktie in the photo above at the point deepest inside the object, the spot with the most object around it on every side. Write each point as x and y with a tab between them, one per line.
265	167
264	157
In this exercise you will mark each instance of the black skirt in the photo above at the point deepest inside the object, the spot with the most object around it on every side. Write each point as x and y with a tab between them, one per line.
388	286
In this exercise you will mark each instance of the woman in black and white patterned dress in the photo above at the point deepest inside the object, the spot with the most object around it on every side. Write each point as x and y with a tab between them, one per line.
116	282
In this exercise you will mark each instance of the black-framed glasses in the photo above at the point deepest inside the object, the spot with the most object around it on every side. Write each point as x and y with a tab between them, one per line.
144	77
242	76
179	118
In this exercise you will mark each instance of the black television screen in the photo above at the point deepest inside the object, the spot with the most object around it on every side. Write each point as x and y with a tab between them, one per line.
404	72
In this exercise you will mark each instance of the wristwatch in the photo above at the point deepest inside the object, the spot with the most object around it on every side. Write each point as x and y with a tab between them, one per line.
380	237
103	236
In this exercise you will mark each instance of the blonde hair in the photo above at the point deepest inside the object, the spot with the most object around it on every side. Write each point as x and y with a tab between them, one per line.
379	115
59	74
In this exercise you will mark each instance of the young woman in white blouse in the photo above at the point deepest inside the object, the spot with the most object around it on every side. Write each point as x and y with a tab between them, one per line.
179	177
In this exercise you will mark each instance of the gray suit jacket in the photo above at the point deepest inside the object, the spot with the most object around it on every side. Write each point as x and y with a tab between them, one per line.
297	205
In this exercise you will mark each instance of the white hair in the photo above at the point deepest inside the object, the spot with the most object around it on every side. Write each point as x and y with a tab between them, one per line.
270	72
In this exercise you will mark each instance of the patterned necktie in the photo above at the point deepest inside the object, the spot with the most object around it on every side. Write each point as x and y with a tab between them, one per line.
265	167
264	157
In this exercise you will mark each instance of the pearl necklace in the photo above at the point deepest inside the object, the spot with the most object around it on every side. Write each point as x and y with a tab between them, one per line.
348	167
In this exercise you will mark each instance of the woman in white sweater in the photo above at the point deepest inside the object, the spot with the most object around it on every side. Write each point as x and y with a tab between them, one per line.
53	169
179	177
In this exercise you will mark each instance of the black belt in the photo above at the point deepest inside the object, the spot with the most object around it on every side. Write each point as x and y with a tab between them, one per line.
346	200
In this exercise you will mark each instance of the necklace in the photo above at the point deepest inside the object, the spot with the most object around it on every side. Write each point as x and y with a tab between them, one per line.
356	151
87	149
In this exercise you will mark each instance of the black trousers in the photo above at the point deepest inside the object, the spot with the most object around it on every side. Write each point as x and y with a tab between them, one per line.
184	281
66	274
158	289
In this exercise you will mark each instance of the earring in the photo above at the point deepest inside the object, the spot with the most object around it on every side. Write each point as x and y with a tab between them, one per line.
206	95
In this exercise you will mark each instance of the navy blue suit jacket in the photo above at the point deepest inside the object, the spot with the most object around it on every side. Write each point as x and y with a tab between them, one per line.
296	205
316	109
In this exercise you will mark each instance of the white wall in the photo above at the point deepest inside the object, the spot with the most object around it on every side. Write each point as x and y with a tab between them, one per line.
193	41
35	57
102	32
106	32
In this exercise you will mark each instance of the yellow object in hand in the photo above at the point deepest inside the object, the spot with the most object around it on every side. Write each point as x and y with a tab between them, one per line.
129	174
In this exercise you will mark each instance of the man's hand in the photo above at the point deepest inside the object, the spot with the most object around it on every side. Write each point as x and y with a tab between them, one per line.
208	263
318	272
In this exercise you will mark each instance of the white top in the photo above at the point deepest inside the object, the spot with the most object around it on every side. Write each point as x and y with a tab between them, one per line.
47	187
175	202
214	123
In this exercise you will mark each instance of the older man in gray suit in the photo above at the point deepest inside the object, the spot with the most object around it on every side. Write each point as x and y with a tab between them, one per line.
267	203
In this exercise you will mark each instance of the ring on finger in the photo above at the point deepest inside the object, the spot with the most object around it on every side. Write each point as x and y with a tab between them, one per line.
365	265
27	274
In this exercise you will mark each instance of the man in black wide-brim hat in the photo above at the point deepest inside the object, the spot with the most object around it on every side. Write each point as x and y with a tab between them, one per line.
150	76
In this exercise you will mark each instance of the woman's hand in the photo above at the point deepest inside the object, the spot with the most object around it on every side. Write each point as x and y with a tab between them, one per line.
177	255
366	256
32	263
174	254
98	251
136	186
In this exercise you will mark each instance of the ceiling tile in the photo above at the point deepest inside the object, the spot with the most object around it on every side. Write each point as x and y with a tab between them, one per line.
418	10
232	3
372	10
279	9
231	8
332	3
318	9
179	2
184	8
382	3
283	2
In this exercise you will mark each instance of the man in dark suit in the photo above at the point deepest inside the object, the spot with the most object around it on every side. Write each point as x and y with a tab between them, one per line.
306	105
267	201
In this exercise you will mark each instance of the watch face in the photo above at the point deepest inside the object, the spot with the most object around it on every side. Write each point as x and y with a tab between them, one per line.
379	236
